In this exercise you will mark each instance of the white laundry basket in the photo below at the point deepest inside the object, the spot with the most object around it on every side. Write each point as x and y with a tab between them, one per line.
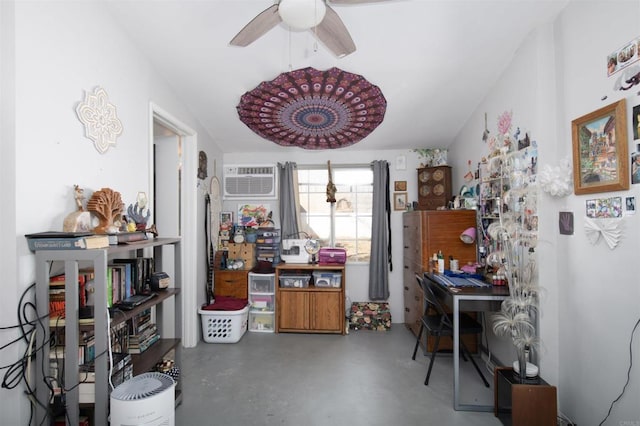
224	326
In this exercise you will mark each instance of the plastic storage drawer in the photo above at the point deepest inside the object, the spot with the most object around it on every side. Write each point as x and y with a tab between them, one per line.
262	283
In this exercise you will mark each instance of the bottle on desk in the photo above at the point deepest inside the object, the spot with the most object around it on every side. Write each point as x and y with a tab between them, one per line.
440	260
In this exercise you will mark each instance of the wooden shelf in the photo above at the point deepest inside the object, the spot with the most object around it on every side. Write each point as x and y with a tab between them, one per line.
148	359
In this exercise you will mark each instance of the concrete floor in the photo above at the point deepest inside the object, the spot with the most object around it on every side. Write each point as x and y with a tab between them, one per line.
364	378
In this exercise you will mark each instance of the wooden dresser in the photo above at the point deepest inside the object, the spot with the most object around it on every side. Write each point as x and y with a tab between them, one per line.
424	233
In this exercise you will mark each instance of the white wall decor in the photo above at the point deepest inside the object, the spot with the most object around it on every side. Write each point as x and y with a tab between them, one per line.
557	180
609	229
101	123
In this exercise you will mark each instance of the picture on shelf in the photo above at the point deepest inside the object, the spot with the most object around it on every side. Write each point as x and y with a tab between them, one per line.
226	220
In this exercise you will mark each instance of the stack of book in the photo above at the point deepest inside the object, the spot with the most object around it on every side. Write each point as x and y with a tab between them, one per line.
53	240
142	332
57	286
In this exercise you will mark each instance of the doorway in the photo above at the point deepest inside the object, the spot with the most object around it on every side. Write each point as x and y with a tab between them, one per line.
173	168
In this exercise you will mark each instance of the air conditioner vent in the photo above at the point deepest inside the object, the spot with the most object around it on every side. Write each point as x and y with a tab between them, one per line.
249	182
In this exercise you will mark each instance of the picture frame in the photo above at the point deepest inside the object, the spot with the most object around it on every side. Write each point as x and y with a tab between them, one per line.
226	220
400	185
400	200
600	159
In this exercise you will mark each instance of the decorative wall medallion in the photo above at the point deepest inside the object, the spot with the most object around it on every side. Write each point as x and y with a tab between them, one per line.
101	123
313	109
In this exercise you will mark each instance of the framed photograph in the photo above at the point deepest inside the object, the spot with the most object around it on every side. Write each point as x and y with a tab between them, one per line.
400	185
226	220
399	200
600	161
636	122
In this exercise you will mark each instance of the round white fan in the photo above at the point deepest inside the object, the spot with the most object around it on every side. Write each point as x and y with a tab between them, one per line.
312	247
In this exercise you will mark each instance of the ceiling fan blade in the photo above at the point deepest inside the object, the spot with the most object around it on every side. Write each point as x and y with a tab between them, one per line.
332	32
354	1
258	26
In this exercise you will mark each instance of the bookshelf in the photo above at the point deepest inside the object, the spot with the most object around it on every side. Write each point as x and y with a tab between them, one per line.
98	259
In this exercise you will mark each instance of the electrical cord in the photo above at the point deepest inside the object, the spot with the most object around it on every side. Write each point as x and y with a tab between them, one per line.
628	373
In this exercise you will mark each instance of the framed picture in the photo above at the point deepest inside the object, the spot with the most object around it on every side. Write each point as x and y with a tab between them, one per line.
400	185
399	200
226	220
600	162
252	214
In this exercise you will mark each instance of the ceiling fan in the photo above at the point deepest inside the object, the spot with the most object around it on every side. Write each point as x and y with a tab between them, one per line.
315	15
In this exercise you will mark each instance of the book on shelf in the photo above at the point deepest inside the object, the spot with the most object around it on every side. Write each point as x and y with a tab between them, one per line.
127	237
66	241
141	270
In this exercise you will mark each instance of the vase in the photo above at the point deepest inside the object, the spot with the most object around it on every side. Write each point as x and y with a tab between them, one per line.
529	371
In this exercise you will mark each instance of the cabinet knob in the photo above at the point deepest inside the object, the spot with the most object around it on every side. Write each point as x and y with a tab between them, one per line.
406	247
407	309
406	288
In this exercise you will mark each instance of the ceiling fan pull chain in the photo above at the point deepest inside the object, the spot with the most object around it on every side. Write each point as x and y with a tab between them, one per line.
290	64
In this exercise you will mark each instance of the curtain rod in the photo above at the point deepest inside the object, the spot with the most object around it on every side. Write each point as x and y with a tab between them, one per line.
334	166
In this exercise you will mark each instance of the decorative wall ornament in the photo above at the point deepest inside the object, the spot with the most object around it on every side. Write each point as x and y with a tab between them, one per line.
556	180
101	123
609	229
314	109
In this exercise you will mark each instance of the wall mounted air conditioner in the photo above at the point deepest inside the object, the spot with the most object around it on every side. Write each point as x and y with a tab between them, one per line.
147	399
249	182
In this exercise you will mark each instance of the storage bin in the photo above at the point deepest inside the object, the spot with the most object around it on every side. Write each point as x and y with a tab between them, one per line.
262	283
224	326
299	281
327	279
262	322
262	302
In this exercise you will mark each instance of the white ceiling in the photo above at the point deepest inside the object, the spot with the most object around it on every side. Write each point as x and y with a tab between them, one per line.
434	60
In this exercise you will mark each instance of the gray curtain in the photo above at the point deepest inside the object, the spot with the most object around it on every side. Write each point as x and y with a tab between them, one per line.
380	262
289	200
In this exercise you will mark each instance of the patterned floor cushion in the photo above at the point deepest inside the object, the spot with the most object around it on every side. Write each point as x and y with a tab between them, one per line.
370	316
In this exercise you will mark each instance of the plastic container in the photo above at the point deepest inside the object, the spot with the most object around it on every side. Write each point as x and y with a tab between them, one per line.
298	281
262	283
263	322
327	279
224	326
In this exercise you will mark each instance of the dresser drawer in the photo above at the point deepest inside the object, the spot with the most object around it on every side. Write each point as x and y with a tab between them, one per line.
231	283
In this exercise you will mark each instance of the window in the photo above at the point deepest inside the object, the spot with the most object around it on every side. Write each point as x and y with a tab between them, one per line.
347	223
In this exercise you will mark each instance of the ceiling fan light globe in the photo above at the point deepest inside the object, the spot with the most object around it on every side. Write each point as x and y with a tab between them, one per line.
302	14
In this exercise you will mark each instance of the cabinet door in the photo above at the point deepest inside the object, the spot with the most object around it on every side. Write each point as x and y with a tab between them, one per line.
326	311
293	310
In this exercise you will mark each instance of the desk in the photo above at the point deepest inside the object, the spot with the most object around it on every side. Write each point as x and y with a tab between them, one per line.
479	299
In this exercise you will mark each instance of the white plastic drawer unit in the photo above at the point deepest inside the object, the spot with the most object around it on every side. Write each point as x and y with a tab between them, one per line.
262	283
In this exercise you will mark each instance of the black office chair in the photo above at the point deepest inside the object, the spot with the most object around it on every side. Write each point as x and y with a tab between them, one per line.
440	324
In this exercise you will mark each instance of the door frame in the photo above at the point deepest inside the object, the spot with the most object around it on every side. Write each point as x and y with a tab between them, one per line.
188	212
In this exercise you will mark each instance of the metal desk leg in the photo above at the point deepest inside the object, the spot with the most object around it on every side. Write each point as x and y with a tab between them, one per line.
456	354
456	363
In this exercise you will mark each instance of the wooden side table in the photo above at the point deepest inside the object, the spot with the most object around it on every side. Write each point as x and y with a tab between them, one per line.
533	403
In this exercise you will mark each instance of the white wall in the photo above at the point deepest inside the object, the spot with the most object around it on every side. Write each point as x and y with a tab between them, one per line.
61	50
357	275
591	295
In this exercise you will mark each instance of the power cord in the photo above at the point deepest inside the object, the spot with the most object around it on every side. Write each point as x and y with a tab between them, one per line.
628	373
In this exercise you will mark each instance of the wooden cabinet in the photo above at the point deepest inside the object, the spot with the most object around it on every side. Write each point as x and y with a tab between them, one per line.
309	309
434	187
425	233
533	403
231	283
